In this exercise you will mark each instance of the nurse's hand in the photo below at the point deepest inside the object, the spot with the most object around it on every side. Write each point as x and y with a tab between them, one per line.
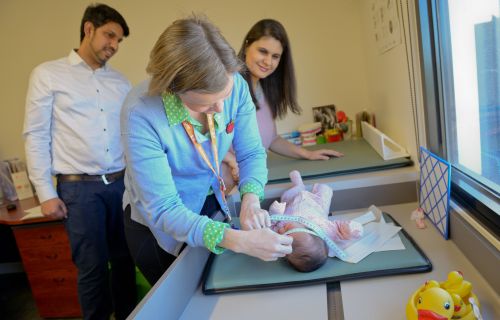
264	244
252	216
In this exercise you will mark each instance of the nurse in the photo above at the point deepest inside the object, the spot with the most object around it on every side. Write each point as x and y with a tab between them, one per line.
176	127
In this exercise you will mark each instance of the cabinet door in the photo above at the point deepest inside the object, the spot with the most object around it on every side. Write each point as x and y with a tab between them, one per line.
46	257
55	293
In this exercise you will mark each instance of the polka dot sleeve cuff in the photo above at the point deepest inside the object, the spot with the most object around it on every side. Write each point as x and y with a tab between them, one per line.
252	188
213	234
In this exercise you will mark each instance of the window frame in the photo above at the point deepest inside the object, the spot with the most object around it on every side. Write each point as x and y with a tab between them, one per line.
436	69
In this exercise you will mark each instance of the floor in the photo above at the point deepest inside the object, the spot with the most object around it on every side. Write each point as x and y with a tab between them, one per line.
16	300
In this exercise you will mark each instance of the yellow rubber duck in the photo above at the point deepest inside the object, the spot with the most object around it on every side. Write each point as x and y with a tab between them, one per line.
461	309
456	284
430	302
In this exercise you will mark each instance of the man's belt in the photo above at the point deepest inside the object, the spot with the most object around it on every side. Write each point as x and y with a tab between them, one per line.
106	178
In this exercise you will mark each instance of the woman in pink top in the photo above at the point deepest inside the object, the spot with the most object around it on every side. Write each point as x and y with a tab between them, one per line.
271	79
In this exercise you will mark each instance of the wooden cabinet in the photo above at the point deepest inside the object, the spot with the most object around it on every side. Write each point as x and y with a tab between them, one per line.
46	256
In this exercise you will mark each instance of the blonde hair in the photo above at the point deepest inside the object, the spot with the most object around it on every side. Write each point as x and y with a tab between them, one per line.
191	54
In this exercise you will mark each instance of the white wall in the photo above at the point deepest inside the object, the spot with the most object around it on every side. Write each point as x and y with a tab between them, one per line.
335	61
390	97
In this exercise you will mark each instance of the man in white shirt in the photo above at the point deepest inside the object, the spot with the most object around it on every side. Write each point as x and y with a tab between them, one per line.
72	132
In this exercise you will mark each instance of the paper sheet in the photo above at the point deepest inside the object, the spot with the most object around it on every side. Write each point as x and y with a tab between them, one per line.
393	243
378	234
33	213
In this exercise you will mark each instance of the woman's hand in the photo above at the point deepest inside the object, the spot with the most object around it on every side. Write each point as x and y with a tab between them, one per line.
321	154
230	172
251	215
230	180
288	149
264	244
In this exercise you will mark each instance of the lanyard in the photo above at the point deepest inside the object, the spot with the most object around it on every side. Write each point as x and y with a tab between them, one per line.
317	231
188	127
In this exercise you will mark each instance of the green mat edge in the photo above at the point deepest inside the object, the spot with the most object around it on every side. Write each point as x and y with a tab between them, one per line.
370	274
345	172
387	164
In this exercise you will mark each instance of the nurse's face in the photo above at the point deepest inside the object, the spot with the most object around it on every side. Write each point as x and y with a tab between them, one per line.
207	102
262	57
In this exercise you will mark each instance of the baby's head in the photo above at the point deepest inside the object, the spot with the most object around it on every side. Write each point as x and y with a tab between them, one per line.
309	252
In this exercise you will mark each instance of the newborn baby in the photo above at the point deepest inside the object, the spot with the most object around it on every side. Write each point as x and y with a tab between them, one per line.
310	251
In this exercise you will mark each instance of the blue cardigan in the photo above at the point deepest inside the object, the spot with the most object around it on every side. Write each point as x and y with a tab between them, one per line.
166	179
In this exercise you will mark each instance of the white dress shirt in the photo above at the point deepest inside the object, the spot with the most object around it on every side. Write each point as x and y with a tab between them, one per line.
72	121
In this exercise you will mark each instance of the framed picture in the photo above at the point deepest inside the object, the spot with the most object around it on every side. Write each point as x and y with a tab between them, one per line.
327	115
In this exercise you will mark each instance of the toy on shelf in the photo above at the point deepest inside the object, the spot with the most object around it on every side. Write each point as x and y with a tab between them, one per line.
308	133
333	135
450	299
335	125
293	137
419	217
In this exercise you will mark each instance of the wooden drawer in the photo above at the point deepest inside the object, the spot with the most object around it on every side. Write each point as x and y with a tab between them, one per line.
41	236
64	306
46	258
53	282
55	292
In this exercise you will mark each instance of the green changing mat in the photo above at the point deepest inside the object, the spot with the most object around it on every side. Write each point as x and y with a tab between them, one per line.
359	156
232	272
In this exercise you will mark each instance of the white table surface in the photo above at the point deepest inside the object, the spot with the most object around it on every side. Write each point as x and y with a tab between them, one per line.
385	298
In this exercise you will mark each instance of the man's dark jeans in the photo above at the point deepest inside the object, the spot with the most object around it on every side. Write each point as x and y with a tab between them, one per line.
106	271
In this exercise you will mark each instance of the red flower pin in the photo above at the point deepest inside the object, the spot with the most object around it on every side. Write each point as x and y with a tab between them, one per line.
230	127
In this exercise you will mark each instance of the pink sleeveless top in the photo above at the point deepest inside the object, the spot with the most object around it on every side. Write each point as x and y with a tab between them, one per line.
265	121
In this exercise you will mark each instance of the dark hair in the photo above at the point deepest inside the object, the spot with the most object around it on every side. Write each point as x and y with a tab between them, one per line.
100	14
191	54
279	87
308	252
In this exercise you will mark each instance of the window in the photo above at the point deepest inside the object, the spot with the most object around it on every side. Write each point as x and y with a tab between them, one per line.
460	44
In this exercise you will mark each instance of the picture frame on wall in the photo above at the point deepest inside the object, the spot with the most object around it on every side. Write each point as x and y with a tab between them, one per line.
327	115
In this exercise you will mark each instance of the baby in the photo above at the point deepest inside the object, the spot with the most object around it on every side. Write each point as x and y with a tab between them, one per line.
310	251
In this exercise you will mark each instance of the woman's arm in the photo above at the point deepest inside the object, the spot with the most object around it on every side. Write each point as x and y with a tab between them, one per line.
251	159
230	171
286	148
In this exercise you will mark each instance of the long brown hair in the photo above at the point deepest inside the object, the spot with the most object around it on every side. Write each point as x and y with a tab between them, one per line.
279	87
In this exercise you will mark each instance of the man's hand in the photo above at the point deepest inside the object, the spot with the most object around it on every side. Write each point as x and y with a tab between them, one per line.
54	208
